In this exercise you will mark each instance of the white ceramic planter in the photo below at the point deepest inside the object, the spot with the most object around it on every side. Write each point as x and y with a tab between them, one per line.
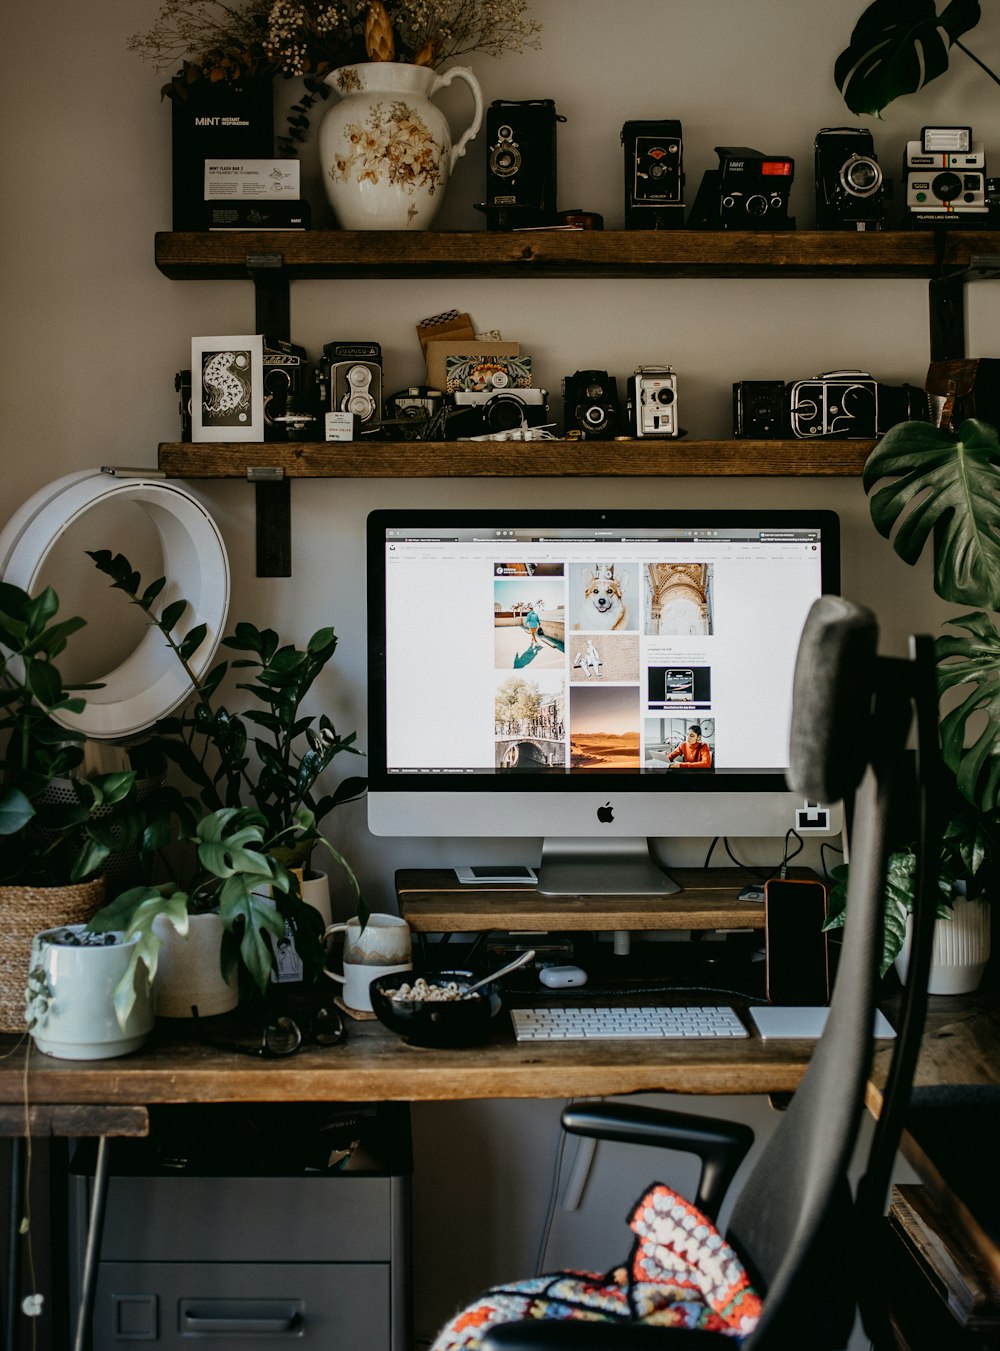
188	971
961	949
70	998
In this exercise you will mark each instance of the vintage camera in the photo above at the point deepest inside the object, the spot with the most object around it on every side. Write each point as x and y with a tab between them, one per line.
412	410
654	175
759	411
520	163
289	412
182	384
851	404
945	178
353	372
652	401
495	412
748	191
592	405
850	185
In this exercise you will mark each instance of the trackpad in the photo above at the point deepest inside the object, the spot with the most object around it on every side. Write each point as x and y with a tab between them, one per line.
786	1020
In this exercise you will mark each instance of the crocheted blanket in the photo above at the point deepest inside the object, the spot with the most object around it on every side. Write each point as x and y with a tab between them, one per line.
680	1273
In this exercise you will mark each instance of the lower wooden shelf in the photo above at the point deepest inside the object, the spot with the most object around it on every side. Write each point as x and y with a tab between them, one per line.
434	901
514	459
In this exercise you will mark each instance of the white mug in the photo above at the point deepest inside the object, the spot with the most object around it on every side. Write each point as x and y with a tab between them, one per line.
380	948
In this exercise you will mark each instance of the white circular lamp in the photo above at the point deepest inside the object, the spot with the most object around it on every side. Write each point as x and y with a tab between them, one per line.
150	682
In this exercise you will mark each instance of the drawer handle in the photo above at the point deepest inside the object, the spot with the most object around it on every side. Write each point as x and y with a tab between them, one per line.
224	1317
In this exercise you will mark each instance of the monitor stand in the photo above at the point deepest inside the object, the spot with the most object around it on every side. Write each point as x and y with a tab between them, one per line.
583	867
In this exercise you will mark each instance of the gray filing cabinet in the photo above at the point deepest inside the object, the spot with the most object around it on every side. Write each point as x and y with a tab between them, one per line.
240	1257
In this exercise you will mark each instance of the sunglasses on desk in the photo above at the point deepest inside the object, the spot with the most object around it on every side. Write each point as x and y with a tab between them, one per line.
278	1037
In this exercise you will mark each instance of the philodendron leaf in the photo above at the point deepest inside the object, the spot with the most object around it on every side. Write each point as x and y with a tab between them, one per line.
970	663
897	47
946	489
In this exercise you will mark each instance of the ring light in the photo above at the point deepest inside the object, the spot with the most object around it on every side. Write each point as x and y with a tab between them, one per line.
151	682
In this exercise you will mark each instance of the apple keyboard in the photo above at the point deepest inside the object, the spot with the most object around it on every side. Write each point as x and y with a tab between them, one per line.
625	1023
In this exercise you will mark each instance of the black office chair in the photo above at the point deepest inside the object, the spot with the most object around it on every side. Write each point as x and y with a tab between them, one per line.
809	1246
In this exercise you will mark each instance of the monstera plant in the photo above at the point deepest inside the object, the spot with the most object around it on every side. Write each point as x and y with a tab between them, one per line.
898	46
928	486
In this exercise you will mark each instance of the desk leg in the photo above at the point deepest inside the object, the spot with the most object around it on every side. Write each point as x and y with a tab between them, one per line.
92	1253
15	1211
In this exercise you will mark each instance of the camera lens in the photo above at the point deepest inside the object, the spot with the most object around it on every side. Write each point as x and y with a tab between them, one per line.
756	205
861	176
665	395
503	413
946	187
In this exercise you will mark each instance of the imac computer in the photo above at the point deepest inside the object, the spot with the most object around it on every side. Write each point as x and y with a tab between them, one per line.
599	679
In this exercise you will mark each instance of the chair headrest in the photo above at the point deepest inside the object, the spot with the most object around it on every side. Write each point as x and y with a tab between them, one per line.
832	699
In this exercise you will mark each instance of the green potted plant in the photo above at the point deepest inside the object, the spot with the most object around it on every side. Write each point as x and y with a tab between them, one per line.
59	825
898	46
255	824
930	487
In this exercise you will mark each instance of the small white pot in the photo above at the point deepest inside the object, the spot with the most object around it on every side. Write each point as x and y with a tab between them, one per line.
189	970
70	998
961	948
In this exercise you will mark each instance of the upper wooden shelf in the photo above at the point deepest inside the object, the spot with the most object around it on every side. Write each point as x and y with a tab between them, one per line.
595	253
514	459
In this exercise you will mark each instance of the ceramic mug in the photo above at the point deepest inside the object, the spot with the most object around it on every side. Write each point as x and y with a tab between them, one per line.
379	948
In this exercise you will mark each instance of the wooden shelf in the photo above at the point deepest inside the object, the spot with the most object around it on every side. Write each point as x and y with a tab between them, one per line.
514	459
594	253
434	901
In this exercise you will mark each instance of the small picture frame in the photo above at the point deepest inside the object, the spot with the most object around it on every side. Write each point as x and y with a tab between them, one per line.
227	402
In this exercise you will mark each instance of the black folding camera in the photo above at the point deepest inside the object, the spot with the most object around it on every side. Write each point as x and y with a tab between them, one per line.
520	163
850	186
592	405
654	175
289	411
748	191
847	404
759	412
353	373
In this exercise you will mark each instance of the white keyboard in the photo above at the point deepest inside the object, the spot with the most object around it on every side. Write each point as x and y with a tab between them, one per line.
624	1023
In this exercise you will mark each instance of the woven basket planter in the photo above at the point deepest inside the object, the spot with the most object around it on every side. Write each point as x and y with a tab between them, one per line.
25	911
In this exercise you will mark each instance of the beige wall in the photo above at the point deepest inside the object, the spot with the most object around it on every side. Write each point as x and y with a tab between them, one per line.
94	333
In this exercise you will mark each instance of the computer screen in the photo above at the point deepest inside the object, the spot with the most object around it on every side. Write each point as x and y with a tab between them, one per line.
594	678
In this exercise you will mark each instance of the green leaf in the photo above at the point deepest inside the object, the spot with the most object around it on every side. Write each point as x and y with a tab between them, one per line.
944	489
15	811
192	641
42	679
897	47
970	663
171	614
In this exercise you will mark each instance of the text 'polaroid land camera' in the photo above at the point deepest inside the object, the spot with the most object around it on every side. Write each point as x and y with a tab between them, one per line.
591	405
654	175
850	185
520	163
945	178
748	191
652	401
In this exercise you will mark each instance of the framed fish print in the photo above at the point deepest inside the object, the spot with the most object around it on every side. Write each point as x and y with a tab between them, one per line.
227	393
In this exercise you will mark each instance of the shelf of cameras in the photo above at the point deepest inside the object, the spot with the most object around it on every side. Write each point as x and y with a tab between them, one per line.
334	418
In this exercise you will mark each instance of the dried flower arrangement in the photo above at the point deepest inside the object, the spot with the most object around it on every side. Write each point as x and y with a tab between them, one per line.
218	41
210	39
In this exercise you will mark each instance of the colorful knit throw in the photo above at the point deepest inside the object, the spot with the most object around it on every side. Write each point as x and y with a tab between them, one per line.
680	1273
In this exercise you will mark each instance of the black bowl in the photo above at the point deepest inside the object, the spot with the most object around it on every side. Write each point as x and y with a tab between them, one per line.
435	1022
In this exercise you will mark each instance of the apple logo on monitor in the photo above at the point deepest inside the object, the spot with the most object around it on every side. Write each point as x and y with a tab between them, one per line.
606	813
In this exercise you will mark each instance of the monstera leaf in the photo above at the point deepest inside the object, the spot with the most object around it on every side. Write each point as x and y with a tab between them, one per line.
946	489
971	665
897	47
